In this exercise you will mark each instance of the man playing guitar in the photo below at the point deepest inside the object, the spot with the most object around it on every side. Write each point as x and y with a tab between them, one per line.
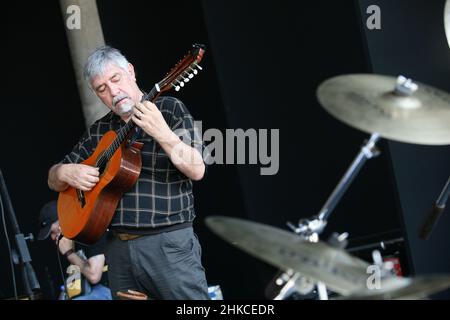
154	249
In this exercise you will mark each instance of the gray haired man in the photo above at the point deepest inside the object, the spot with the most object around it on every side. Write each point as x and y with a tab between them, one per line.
154	250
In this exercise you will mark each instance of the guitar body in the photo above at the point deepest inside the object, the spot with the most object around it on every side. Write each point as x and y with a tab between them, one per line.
84	216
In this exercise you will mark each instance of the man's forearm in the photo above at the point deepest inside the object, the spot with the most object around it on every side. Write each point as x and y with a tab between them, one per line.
54	178
86	269
185	158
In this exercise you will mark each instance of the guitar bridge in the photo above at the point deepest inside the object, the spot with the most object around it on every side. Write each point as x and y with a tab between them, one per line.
81	198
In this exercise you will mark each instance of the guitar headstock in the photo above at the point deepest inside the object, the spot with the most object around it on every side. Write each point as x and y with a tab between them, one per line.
184	70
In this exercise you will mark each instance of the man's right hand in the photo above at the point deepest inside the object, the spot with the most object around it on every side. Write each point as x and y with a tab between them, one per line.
79	176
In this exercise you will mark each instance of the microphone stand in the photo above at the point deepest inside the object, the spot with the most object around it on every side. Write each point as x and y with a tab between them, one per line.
29	278
437	210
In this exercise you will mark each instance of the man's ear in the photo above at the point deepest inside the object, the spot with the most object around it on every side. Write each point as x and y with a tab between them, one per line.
131	71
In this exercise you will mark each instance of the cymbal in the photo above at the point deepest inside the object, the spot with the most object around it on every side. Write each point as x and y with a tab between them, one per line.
285	250
404	288
447	20
368	102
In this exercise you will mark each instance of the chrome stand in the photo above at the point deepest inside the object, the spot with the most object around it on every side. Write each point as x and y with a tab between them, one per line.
310	229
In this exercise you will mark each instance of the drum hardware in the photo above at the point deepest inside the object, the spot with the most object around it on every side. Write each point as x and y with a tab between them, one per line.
435	213
291	282
386	107
447	20
401	288
318	261
310	229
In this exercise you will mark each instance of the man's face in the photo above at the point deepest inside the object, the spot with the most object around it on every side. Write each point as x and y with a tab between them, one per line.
117	89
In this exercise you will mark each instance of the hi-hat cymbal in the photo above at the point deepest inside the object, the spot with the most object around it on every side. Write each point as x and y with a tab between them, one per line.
340	271
368	103
404	288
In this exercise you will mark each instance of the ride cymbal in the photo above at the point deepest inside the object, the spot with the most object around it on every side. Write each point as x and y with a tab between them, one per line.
372	104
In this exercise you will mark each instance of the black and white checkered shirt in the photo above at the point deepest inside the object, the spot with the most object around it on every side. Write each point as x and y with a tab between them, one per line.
162	195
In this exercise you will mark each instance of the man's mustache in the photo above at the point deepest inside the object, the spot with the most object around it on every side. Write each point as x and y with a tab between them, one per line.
119	97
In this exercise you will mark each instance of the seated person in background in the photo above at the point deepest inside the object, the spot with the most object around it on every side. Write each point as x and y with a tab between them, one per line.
91	263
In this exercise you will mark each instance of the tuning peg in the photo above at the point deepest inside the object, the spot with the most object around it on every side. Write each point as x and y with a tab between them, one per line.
193	70
179	83
184	79
189	75
177	88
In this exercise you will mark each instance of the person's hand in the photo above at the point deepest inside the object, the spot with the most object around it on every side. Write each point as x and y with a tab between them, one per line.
79	176
132	295
55	231
150	119
65	245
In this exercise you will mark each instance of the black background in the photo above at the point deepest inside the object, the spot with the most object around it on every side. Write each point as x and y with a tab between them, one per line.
263	63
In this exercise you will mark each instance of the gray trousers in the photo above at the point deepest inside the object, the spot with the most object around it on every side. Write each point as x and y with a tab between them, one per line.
163	266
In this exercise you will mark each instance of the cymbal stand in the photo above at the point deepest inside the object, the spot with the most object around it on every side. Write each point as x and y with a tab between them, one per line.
310	229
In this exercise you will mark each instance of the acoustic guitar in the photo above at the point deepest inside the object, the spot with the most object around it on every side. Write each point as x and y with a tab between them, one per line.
85	215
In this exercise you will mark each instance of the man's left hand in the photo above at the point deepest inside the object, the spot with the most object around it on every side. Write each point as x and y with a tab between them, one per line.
150	119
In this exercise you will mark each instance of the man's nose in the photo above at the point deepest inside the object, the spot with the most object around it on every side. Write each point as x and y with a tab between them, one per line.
115	90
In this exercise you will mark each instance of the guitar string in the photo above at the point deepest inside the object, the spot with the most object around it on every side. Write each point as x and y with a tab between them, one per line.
123	132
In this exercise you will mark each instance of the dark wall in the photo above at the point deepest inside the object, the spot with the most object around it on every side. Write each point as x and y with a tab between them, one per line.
262	67
412	42
41	120
270	59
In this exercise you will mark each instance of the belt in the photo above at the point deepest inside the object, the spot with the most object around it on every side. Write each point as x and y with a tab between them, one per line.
127	236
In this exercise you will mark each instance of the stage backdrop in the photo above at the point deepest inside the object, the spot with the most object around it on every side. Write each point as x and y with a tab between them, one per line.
263	64
412	42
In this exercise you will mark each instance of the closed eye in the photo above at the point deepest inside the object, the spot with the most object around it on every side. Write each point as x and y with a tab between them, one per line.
101	88
115	78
